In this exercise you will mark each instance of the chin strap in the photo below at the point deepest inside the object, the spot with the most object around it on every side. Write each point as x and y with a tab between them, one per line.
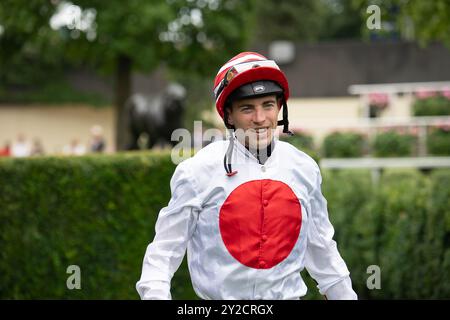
285	121
228	155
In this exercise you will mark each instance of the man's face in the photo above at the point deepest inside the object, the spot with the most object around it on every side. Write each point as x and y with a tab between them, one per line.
257	118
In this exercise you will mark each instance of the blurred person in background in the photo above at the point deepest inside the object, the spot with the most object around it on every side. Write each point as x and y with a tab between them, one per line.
97	142
21	147
37	149
75	148
6	150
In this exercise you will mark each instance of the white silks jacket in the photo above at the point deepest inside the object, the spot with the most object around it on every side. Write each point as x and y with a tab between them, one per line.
249	235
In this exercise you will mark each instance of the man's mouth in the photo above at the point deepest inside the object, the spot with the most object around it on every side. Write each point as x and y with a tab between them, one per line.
261	130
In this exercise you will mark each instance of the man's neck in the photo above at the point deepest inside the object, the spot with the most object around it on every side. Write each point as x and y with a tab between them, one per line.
262	154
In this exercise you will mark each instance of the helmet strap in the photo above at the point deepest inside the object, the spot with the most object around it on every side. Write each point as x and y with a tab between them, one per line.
285	121
228	155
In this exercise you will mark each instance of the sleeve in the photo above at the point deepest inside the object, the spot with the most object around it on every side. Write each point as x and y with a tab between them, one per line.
174	227
322	259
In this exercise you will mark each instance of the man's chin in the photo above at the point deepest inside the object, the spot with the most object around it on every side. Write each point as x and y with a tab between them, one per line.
254	140
258	144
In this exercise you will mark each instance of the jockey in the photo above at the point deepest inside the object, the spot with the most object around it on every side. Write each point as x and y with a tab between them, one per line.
248	210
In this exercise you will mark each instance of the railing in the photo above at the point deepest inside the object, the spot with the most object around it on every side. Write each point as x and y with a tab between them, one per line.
395	88
392	89
377	164
370	126
421	123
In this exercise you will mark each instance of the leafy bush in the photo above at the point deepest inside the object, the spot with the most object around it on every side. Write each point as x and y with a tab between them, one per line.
438	141
393	144
302	141
343	145
97	212
401	225
437	105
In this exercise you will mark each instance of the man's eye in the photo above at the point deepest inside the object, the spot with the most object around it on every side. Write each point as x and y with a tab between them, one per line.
269	105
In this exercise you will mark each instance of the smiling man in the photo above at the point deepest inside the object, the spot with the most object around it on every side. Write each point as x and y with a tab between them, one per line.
252	112
248	210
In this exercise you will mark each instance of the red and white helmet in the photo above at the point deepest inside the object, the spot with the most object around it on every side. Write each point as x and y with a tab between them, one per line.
246	68
249	74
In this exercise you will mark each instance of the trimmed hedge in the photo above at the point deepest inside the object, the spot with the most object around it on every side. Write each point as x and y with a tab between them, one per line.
438	141
402	225
343	145
302	141
393	144
438	105
98	212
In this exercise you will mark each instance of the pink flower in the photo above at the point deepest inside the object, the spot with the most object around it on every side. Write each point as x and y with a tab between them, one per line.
444	127
379	100
424	94
446	92
414	131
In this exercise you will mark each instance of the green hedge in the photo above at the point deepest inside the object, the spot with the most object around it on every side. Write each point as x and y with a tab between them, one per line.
438	105
343	145
402	225
98	212
438	141
394	144
303	141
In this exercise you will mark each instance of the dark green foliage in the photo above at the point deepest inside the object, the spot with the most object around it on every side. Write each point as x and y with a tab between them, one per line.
94	212
401	224
56	92
302	141
438	141
343	145
393	144
438	105
429	19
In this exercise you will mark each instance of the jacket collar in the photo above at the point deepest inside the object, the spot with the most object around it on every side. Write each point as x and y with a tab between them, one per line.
247	154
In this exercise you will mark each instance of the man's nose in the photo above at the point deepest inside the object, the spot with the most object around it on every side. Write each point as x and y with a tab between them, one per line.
259	115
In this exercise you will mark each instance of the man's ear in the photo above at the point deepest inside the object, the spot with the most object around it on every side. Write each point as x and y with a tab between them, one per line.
279	102
229	118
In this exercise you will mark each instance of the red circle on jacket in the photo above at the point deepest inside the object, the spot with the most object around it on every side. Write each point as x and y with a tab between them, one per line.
260	223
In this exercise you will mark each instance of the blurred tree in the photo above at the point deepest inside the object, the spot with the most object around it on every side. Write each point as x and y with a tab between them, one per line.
188	36
289	20
205	34
341	21
413	20
24	39
430	19
308	20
